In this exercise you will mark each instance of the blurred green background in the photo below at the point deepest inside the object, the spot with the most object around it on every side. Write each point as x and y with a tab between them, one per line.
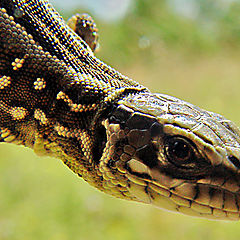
185	48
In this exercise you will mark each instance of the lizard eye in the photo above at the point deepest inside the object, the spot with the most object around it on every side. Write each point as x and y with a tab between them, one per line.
179	151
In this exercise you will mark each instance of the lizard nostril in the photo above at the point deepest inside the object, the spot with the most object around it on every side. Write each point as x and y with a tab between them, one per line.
234	161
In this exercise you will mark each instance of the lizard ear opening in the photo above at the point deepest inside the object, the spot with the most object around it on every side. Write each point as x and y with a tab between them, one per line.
100	137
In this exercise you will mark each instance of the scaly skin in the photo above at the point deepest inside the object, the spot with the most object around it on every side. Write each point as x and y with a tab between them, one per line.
57	98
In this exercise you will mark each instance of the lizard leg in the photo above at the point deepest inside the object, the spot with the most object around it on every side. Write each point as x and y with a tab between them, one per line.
86	28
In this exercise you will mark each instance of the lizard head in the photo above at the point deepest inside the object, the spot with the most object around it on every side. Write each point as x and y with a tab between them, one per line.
171	154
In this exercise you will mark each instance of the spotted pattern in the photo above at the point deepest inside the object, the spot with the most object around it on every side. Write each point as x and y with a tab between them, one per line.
66	132
18	63
5	134
39	84
18	113
41	116
81	135
76	107
4	81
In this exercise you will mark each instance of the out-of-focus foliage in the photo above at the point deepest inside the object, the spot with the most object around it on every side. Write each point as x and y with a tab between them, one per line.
230	26
153	25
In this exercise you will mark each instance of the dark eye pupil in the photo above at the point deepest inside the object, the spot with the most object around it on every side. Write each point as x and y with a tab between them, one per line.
178	150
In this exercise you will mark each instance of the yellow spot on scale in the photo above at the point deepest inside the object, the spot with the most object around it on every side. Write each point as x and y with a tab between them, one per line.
41	116
84	138
66	132
17	64
74	106
114	94
4	132
39	84
18	113
4	81
3	10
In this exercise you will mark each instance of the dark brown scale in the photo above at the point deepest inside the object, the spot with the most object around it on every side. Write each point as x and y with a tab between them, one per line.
139	121
148	155
139	138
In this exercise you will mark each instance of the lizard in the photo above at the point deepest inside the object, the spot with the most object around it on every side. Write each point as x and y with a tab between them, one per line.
60	100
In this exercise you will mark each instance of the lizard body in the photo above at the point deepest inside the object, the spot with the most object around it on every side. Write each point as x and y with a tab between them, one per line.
57	98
